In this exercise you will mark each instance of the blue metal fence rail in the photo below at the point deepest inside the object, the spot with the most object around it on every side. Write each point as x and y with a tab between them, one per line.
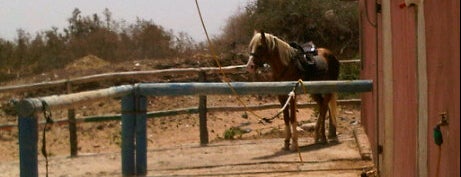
134	109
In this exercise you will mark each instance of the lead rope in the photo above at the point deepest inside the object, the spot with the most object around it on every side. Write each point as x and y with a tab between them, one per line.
290	96
300	81
210	47
47	115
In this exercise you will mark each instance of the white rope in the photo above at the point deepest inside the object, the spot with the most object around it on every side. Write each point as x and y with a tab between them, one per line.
290	96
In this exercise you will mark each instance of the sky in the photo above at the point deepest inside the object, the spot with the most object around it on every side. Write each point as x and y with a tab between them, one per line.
178	15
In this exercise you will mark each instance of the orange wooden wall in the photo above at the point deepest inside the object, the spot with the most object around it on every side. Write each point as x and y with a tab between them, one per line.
442	40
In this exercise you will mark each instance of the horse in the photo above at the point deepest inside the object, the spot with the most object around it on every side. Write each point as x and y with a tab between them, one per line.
286	63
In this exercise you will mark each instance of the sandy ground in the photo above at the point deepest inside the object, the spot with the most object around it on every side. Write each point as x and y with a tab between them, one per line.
102	140
99	143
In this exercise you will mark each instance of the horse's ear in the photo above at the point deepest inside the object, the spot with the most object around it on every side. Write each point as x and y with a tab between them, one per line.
263	38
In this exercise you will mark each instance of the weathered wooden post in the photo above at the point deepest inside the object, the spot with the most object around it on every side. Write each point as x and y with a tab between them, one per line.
73	141
28	139
128	134
141	135
203	113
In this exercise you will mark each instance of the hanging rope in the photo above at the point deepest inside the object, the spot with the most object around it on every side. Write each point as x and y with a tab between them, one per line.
215	57
47	115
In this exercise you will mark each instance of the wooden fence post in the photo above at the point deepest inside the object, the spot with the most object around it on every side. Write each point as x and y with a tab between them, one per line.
202	109
141	135
128	135
72	126
28	148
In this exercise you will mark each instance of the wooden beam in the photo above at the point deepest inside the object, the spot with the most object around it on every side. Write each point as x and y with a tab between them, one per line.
245	88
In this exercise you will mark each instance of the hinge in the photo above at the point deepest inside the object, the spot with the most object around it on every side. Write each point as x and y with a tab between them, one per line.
380	149
378	8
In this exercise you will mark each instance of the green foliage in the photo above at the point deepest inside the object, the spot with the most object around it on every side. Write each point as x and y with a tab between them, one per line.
328	23
331	24
230	133
349	71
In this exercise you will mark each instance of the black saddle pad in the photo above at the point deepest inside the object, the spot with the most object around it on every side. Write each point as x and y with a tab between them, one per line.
308	61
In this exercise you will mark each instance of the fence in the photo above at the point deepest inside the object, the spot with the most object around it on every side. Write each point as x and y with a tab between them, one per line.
202	72
107	76
134	146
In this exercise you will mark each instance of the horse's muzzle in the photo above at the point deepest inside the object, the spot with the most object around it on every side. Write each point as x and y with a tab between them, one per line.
251	67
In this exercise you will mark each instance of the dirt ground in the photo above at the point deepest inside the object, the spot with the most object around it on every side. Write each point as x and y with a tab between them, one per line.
163	132
182	131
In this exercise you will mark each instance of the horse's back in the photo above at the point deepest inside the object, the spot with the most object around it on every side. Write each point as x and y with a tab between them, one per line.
324	66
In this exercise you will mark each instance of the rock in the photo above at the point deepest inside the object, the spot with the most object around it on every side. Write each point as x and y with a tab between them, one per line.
308	127
299	129
348	112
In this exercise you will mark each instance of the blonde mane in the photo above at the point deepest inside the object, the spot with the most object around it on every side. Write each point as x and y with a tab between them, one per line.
274	43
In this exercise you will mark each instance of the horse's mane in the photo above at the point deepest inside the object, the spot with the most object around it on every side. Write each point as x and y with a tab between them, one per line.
274	43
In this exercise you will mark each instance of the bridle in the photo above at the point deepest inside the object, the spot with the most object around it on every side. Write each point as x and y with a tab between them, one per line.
284	71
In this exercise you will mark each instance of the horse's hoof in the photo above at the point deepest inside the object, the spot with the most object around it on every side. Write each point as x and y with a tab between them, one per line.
333	139
286	148
321	141
294	149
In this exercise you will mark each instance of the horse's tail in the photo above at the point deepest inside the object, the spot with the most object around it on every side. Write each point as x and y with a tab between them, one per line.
333	111
333	67
333	74
333	105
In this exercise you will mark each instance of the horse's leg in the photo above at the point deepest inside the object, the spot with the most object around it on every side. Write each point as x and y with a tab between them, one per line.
333	115
318	99
294	123
286	119
321	123
322	102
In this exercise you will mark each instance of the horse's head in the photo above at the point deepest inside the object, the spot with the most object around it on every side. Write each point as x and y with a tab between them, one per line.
259	51
266	48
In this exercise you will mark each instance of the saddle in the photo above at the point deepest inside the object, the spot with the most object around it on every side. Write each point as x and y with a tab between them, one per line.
308	61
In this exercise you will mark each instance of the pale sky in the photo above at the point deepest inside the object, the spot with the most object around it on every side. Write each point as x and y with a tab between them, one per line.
178	15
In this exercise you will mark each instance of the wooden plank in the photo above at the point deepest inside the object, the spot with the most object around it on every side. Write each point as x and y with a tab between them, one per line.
118	75
130	74
190	110
31	105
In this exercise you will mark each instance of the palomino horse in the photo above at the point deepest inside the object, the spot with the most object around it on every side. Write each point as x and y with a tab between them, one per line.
290	63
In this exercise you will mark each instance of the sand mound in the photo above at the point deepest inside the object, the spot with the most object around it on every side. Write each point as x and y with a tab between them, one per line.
86	63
